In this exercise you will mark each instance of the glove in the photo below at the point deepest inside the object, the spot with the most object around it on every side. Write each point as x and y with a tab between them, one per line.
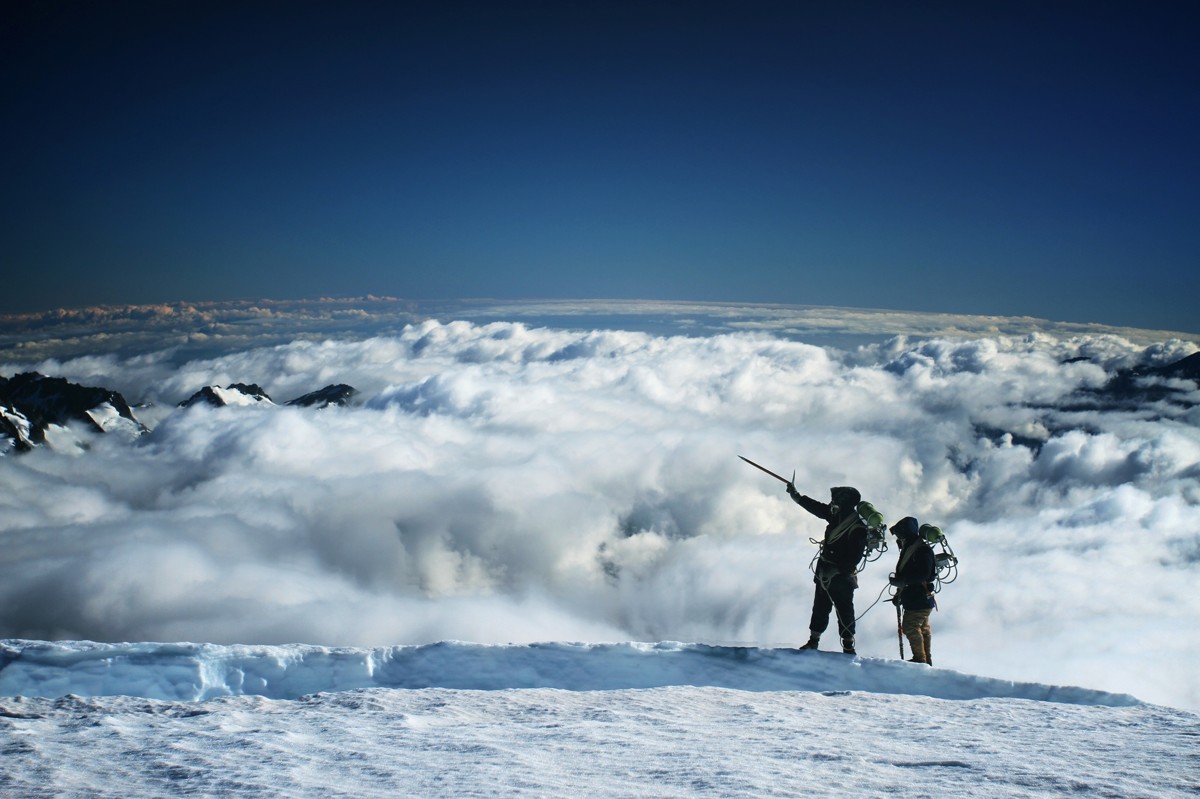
896	581
791	489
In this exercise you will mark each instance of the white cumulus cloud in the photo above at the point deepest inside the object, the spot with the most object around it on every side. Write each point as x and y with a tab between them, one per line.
499	482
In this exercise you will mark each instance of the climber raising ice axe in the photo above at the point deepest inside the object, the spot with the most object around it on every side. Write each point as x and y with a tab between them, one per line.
853	530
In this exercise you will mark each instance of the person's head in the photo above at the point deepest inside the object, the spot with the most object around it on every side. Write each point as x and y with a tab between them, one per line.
905	530
844	498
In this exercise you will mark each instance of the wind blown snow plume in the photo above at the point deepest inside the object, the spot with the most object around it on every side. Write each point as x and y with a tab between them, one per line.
499	483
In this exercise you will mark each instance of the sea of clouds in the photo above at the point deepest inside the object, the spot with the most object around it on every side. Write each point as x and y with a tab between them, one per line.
501	482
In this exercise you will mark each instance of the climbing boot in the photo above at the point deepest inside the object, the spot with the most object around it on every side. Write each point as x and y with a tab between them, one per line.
812	642
848	646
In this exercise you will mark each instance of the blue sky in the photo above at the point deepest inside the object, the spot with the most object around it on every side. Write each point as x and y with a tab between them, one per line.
996	158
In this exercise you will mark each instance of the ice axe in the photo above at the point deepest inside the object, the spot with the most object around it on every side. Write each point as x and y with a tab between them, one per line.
768	471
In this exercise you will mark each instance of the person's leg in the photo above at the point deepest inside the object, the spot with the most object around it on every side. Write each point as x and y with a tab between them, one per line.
822	605
914	622
927	635
841	592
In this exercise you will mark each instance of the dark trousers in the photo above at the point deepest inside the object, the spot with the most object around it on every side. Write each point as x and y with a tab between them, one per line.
834	592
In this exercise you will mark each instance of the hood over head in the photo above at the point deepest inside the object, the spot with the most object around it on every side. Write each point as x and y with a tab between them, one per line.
845	497
905	528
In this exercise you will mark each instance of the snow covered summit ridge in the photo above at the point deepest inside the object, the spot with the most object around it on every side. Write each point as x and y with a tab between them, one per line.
190	672
31	404
242	394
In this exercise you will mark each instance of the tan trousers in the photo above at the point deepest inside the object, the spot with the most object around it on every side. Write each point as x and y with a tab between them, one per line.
916	629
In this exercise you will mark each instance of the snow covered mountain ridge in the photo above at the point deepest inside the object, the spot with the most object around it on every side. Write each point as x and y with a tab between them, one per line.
242	394
33	405
192	672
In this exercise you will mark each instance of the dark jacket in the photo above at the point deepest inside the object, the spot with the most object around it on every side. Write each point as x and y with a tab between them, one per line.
915	570
843	553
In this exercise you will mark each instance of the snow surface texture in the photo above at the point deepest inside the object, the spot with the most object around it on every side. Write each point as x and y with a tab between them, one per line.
826	736
505	484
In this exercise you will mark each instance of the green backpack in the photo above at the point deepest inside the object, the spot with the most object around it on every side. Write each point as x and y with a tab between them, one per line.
872	519
944	559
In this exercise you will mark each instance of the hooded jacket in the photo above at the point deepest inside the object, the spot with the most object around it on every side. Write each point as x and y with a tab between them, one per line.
916	569
841	549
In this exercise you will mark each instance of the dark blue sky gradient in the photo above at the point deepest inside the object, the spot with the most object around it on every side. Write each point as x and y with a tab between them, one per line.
1000	158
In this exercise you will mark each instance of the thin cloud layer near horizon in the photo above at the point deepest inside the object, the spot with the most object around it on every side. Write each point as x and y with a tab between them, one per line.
498	482
1019	159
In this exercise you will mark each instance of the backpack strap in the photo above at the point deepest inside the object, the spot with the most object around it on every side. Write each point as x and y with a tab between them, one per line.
843	528
907	554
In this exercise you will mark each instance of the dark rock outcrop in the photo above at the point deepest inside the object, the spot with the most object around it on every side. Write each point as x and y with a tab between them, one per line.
1146	383
30	402
339	394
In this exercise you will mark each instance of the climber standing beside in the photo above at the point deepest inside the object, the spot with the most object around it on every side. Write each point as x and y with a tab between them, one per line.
914	580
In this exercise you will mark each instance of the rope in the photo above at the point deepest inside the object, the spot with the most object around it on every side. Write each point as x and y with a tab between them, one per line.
873	604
